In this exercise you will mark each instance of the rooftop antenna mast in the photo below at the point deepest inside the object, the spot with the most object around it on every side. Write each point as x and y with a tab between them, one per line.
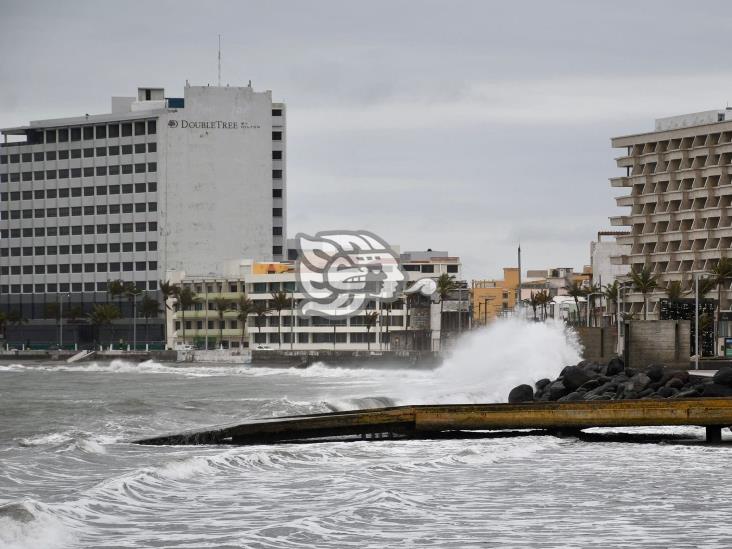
219	60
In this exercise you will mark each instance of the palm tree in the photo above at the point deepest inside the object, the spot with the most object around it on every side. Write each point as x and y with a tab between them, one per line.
3	323
280	301
721	274
260	310
544	299
246	307
74	313
167	290
576	291
534	303
222	305
150	308
674	290
186	299
445	285
644	282
612	293
103	314
117	288
370	321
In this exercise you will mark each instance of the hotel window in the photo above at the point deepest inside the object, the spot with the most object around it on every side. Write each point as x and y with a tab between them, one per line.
127	168
276	193
140	227
152	147
88	191
62	155
114	228
277	231
76	286
50	136
39	175
38	194
101	286
140	187
151	127
127	266
75	134
38	157
126	149
276	136
101	248
140	148
89	152
113	130
27	176
127	188
276	212
63	174
63	135
276	112
15	177
14	158
152	226
114	267
152	246
40	269
127	227
3	178
152	206
277	250
101	190
114	208
140	207
89	172
152	166
452	268
140	168
276	155
113	170
51	155
127	208
126	129
127	246
88	132
75	153
140	265
101	208
101	132
114	150
276	174
27	157
75	172
139	128
101	170
101	151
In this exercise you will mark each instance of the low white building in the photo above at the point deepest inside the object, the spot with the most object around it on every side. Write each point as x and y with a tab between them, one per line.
403	323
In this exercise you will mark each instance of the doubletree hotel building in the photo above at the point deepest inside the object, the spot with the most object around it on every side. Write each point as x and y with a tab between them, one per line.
159	184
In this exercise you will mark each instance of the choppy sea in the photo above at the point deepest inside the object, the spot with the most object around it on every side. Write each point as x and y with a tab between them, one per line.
69	476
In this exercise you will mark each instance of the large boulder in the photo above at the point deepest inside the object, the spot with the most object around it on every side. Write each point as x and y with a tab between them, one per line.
637	383
542	383
655	372
571	397
674	383
723	376
614	366
521	393
557	390
575	377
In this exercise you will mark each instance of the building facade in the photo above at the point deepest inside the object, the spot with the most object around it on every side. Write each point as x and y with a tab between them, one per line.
679	198
158	184
494	298
409	323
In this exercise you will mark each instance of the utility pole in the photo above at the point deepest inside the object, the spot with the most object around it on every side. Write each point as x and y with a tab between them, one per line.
219	60
518	296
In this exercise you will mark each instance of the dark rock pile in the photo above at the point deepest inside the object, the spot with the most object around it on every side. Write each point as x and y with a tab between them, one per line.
613	381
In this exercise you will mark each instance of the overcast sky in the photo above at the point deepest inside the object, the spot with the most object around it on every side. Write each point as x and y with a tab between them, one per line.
459	126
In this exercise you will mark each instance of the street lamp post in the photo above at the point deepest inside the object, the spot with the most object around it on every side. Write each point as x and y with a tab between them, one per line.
696	317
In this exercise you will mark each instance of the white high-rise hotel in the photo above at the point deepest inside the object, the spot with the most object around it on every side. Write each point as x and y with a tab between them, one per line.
158	184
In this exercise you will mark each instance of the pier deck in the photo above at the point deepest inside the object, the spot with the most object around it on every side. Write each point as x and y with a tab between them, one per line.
436	420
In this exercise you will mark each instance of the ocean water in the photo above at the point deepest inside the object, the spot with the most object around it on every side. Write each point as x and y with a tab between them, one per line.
69	477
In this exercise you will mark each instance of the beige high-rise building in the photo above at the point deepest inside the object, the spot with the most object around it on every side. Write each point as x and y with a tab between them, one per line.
680	199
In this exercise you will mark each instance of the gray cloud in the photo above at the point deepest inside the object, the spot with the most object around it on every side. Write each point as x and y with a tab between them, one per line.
458	125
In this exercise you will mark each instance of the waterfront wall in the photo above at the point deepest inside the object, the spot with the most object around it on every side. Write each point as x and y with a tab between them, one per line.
600	343
657	342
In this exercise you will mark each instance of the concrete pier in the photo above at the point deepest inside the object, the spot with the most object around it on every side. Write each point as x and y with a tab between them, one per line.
434	421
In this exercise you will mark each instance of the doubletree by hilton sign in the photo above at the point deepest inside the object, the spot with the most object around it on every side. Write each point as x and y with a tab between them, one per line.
212	125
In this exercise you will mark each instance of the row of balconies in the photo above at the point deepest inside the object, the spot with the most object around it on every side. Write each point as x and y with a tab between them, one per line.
680	144
647	218
660	187
704	171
